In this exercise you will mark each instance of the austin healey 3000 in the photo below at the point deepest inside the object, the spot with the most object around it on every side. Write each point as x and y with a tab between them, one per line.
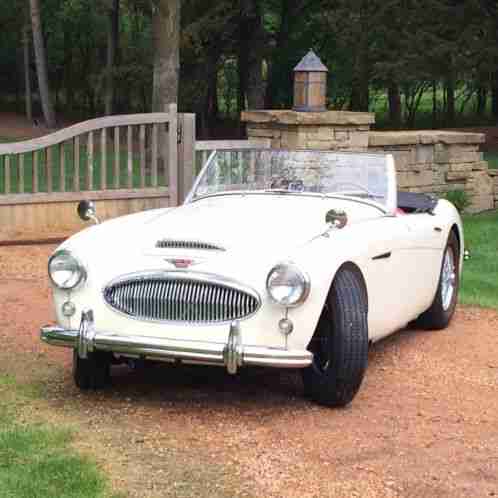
284	259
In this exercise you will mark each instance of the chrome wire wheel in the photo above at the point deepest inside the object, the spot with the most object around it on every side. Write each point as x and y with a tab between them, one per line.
448	279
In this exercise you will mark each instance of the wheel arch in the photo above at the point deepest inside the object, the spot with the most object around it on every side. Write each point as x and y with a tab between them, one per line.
457	231
349	265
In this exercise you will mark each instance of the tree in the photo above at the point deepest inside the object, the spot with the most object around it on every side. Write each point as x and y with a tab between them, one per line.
41	64
112	45
166	45
27	72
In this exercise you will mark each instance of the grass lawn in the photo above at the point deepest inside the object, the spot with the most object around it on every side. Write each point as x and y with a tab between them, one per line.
69	170
37	460
480	275
492	158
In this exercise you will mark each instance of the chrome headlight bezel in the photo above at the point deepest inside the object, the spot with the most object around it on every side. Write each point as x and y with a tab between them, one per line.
304	282
82	273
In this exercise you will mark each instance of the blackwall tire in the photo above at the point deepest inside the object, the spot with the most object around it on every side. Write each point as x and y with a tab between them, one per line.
92	373
340	343
441	311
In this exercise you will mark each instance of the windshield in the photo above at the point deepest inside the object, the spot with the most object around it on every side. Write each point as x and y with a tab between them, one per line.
368	176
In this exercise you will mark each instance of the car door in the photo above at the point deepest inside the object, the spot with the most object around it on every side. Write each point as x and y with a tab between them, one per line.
392	274
426	239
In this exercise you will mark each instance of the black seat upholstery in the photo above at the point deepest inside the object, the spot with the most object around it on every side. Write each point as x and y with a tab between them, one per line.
412	202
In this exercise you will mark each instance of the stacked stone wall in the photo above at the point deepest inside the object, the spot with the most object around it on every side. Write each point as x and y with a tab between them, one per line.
439	162
426	161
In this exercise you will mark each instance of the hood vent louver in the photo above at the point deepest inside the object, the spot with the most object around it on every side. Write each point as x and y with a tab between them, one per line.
187	244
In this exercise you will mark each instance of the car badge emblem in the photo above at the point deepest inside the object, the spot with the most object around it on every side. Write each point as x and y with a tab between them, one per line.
182	263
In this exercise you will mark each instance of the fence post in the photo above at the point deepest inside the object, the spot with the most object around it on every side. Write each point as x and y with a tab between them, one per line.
172	154
186	155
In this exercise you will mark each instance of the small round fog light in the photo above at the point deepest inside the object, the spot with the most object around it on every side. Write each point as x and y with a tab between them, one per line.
68	309
285	326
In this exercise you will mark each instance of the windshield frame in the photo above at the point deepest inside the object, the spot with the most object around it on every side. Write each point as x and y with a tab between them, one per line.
391	199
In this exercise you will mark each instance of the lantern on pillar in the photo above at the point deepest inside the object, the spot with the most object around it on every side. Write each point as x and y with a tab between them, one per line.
310	84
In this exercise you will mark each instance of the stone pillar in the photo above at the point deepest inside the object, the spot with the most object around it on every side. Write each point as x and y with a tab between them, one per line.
329	130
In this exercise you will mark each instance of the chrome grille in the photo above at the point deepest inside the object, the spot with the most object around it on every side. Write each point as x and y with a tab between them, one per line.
187	244
180	297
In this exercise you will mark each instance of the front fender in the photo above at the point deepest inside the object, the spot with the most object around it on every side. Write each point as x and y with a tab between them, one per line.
321	259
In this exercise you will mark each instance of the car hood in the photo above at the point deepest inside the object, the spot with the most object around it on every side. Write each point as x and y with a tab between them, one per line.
242	223
262	229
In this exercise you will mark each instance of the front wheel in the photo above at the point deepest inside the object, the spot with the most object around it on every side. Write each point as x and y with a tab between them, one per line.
92	372
439	315
340	343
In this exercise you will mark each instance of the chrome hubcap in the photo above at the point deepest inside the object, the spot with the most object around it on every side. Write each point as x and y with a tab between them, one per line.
448	279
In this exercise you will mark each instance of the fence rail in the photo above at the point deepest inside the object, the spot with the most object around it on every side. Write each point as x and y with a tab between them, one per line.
110	154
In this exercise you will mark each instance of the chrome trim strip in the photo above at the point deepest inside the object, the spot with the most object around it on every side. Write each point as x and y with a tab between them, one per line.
176	309
161	349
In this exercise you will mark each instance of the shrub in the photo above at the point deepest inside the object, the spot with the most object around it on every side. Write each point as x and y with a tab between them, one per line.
459	198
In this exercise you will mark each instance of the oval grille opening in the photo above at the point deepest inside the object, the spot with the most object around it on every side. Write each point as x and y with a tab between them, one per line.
180	300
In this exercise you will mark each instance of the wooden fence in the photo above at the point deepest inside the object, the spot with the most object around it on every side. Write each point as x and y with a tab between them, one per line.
125	163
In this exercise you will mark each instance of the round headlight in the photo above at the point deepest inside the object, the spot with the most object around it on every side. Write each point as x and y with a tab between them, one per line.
287	285
65	271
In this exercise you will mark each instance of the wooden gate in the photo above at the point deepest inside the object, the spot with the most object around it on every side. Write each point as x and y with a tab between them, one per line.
125	163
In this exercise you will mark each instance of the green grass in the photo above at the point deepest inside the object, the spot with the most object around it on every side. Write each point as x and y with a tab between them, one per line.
69	170
480	274
36	460
492	158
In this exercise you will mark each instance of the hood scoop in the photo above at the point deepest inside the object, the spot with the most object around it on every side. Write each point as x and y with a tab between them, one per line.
188	244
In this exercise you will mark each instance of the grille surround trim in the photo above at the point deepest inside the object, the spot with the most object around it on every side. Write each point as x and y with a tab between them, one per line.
186	276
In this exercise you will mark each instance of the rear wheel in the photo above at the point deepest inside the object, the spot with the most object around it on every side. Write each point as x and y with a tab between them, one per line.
441	311
93	372
340	343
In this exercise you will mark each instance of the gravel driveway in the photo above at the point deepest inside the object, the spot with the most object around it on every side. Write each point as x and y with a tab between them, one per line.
425	423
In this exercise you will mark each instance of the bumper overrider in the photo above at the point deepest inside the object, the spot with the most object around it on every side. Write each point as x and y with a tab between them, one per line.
233	354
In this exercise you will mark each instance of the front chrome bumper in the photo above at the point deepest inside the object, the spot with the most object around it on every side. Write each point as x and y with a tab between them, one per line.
232	355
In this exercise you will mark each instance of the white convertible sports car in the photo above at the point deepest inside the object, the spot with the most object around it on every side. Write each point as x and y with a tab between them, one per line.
285	259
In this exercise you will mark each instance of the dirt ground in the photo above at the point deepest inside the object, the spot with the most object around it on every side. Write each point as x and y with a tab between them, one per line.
424	423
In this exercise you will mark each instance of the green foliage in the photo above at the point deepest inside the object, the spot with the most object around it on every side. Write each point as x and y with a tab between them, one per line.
492	158
480	275
459	198
419	50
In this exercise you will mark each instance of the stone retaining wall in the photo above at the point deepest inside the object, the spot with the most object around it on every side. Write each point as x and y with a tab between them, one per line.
438	162
426	161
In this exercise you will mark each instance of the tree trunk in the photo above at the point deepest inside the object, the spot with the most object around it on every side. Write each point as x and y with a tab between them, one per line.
394	105
112	44
41	64
210	111
494	95
166	44
27	75
251	46
434	104
283	36
482	97
450	100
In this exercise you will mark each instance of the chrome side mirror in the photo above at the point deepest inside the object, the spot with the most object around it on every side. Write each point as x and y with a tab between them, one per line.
336	218
86	211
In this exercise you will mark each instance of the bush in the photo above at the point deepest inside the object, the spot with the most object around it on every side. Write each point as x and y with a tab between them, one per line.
459	198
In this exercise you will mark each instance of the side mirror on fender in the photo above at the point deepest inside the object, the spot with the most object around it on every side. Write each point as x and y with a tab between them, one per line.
337	218
87	211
